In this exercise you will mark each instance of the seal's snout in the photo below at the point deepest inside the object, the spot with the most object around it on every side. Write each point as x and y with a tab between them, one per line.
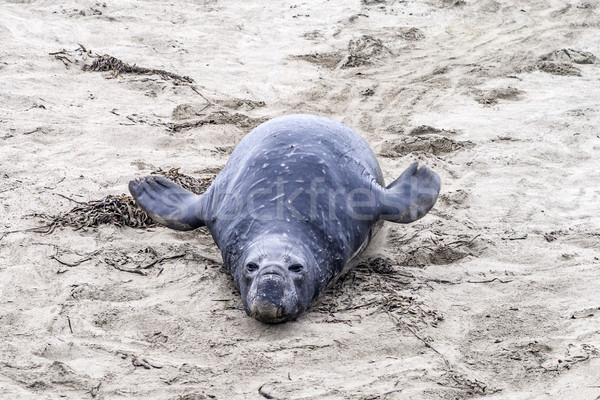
269	303
266	312
272	297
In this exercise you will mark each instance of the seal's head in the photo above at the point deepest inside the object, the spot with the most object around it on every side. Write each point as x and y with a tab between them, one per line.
276	279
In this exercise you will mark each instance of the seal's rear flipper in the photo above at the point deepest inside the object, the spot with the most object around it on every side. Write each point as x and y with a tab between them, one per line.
410	196
168	203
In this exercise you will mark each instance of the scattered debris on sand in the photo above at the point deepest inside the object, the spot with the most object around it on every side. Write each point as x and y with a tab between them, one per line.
118	67
120	210
108	63
560	62
218	118
378	285
364	51
434	144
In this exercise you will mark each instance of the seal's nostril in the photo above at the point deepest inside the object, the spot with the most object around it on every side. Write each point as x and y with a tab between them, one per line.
295	268
251	267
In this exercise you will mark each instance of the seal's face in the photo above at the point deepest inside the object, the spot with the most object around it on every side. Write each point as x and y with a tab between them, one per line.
276	280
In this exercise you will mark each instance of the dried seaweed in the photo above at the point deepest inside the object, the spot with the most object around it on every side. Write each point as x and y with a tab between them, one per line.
71	57
111	210
218	118
433	144
142	262
118	210
194	185
378	285
110	63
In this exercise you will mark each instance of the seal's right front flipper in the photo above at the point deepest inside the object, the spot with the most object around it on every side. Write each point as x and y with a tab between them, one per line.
168	203
410	196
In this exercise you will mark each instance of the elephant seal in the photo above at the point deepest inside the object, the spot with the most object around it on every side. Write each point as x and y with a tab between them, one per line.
300	196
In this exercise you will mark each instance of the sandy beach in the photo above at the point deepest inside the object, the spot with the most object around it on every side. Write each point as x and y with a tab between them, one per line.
495	293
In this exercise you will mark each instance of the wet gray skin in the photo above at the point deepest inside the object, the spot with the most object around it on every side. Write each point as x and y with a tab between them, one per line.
300	196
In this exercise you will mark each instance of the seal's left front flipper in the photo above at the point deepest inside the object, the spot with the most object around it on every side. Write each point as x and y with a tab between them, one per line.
168	203
410	196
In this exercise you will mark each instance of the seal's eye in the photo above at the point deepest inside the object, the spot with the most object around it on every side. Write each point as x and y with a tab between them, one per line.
251	267
296	268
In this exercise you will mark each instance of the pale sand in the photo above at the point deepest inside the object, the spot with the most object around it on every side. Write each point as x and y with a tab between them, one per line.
517	151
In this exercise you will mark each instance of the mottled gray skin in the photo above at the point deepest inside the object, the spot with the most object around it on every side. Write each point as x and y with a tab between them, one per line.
300	196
